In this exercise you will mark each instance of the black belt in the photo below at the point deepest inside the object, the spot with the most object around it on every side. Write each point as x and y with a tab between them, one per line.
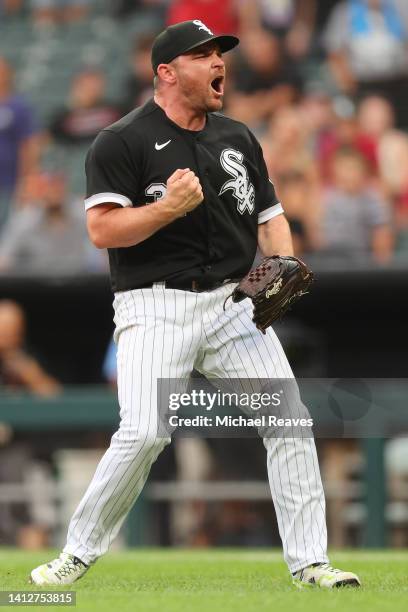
196	286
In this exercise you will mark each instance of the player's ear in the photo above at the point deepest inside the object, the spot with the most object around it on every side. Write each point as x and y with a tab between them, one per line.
167	73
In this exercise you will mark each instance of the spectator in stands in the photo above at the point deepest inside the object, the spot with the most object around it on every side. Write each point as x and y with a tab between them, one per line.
220	17
345	131
286	148
386	150
362	130
87	113
367	45
19	142
297	193
355	219
17	368
375	116
10	7
316	109
263	82
376	119
47	236
393	169
291	20
30	190
59	11
317	117
139	84
155	8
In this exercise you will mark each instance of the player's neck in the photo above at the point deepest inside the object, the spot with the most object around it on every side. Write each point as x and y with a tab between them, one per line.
185	117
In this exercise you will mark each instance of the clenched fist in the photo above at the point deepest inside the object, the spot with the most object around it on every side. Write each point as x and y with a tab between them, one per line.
184	193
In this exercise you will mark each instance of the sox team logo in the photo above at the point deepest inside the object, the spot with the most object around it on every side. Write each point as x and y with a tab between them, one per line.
202	26
242	189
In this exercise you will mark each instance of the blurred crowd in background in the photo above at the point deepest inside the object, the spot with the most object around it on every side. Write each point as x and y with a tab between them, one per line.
322	84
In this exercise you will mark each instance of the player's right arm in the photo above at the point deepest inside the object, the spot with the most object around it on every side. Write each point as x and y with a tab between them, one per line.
111	226
112	180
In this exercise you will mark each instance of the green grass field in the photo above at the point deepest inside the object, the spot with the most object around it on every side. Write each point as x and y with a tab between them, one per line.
218	580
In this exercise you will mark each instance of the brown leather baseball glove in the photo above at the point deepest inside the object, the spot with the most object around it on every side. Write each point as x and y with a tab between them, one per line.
274	285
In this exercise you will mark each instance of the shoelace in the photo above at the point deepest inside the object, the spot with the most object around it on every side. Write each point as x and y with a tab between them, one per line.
324	566
329	568
69	565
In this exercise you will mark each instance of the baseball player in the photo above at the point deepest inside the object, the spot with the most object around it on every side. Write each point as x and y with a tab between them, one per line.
180	196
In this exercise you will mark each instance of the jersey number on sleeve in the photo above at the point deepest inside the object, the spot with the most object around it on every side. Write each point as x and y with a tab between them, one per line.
156	191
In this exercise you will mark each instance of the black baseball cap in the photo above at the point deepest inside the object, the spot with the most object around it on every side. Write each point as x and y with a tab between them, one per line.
182	37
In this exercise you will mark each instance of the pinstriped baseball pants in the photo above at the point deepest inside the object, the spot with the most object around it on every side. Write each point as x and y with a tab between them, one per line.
165	333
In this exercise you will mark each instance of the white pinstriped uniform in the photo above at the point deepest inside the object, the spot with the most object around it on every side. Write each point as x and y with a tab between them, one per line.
165	333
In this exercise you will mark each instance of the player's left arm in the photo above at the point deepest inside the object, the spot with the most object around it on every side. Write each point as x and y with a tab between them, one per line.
274	237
